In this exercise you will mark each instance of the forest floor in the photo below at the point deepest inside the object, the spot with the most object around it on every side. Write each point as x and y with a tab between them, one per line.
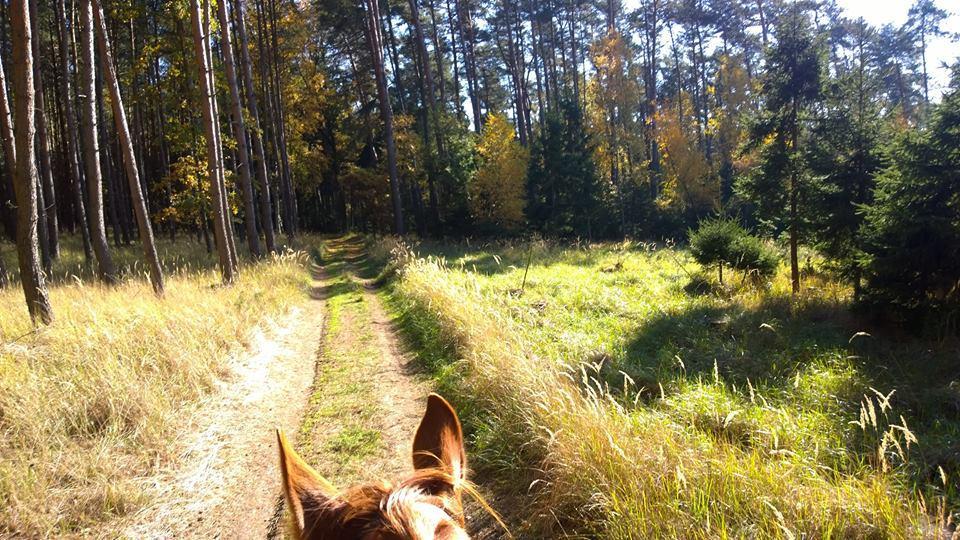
334	375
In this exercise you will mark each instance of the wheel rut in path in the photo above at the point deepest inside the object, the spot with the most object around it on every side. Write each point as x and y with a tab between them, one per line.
226	484
398	386
367	399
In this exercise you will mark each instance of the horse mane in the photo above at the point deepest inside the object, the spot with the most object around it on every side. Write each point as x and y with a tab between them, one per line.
388	508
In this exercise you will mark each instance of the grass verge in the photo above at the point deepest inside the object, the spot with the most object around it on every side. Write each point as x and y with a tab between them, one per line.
88	405
633	407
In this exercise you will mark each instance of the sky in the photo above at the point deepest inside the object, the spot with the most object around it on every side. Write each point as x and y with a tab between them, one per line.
880	12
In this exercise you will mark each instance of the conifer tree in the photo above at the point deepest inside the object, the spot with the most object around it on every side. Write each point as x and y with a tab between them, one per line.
913	227
791	86
844	156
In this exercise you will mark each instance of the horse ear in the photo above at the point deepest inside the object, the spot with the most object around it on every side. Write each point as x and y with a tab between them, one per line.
309	496
439	440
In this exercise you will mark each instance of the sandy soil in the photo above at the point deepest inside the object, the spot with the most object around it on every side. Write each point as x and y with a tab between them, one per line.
226	484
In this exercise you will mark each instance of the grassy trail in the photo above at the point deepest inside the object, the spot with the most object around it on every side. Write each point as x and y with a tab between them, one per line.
366	400
368	395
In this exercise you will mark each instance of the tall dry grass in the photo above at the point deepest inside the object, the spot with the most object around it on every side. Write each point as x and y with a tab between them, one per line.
602	463
88	404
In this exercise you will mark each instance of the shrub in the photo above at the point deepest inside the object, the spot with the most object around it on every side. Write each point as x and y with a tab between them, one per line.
755	256
712	242
723	241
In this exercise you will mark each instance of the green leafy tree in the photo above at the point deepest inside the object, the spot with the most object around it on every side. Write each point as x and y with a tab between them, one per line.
791	86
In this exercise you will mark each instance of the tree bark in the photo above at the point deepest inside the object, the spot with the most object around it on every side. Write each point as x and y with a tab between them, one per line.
374	42
4	277
91	146
394	59
221	168
25	177
286	180
259	157
458	104
213	155
126	150
49	208
794	201
239	133
470	61
430	105
72	135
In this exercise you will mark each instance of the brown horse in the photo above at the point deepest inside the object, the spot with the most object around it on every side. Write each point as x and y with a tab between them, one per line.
426	505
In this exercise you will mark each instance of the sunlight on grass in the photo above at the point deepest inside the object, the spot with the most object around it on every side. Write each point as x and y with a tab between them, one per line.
89	404
633	406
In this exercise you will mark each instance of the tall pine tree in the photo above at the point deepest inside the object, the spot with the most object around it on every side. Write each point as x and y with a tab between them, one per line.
791	86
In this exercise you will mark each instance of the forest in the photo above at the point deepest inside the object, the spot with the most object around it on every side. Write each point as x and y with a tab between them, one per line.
567	119
685	268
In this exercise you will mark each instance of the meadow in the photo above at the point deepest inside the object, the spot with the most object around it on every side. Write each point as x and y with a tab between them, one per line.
622	393
89	404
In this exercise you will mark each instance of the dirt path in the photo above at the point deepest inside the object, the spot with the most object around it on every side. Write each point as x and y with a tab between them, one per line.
400	390
402	393
226	485
367	399
335	375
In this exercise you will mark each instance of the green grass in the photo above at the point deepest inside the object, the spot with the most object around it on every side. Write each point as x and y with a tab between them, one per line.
639	405
336	434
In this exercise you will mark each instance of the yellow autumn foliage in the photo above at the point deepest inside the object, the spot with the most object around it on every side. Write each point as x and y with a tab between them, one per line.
496	195
688	179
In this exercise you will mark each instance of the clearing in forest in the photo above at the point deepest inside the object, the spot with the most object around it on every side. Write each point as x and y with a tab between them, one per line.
627	395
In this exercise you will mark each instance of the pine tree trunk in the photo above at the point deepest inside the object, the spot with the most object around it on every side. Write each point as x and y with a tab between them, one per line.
4	277
72	134
458	104
395	59
437	52
469	60
239	133
6	125
430	106
213	163
91	146
259	157
794	202
25	177
289	194
49	208
386	111
42	237
221	170
269	124
129	159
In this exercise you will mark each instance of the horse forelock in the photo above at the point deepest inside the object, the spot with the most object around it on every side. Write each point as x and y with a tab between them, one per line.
401	510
